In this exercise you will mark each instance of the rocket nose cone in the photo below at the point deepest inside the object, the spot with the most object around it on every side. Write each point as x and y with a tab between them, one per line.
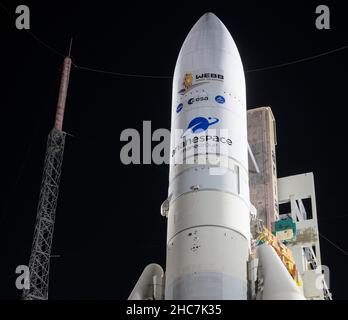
208	32
209	47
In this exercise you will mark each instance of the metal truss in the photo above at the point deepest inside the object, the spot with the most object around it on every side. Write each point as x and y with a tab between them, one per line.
43	235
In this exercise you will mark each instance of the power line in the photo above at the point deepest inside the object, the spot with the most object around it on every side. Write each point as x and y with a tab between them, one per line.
334	244
298	60
334	217
247	71
43	43
121	74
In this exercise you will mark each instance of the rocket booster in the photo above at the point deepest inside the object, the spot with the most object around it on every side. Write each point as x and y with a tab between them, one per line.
208	205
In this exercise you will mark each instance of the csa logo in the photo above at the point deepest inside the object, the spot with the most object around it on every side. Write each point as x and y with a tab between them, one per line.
220	99
179	107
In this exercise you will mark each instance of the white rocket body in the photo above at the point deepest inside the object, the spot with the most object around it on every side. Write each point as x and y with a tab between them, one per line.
208	237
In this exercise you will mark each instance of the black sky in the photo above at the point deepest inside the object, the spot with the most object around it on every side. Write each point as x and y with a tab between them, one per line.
108	225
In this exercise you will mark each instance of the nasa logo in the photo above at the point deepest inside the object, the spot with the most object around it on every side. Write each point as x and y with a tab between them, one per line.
200	124
220	99
179	107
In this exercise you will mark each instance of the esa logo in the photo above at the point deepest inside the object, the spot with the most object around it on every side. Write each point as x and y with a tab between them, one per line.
199	99
220	99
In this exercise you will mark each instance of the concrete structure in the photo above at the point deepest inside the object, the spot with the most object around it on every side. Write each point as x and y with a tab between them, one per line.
263	185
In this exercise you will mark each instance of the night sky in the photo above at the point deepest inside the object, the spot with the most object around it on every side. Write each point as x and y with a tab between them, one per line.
108	224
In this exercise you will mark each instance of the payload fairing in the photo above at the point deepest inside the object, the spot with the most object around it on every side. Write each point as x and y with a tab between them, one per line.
208	217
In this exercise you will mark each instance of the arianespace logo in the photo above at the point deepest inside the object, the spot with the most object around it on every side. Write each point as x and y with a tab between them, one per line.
199	135
191	81
200	124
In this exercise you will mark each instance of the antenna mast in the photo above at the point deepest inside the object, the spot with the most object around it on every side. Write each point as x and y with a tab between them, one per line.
39	262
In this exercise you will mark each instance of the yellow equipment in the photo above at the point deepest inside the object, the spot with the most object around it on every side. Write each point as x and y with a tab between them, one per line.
284	253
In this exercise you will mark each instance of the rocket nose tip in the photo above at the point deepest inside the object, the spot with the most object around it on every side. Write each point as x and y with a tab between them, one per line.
208	21
209	15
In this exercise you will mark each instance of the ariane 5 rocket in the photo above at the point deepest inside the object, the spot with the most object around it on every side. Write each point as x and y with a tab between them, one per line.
208	206
208	209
